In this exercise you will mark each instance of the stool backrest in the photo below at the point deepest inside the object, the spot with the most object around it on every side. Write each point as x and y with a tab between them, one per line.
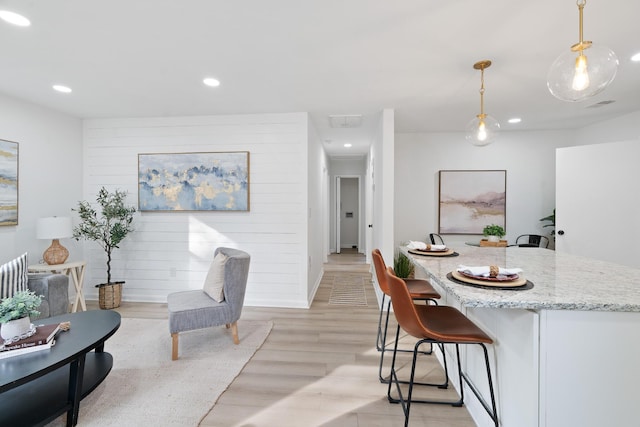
403	306
380	268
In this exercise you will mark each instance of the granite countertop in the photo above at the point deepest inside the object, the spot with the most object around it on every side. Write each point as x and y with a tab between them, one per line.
560	281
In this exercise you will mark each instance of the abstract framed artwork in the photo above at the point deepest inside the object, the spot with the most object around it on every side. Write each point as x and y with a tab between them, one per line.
471	199
193	181
8	183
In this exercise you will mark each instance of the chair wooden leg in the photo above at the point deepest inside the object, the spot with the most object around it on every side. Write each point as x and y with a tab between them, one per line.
228	325
234	331
174	346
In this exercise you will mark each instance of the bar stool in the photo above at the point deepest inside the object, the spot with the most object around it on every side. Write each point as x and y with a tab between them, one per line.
420	290
435	325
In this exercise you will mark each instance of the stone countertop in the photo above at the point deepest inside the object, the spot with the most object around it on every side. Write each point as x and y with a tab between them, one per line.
560	281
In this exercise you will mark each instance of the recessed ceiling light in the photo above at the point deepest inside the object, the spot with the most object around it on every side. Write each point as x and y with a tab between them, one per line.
61	88
210	81
348	145
636	57
515	120
14	18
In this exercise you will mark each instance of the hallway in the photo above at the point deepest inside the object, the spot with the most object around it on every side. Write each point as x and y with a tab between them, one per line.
319	367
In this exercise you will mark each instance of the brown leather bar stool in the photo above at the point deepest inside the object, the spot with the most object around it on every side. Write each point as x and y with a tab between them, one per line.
420	290
439	325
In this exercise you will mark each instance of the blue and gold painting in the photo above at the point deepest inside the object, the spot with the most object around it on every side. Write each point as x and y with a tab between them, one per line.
193	181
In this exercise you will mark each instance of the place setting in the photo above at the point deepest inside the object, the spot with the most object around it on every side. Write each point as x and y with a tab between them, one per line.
490	276
426	249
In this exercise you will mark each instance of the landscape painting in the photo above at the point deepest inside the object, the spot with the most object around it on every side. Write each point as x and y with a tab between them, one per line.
471	200
193	181
8	183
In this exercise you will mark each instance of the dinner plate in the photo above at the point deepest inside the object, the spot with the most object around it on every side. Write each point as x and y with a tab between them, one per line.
499	278
447	252
516	285
432	250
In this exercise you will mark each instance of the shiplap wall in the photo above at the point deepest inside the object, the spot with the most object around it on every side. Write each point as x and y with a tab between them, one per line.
171	251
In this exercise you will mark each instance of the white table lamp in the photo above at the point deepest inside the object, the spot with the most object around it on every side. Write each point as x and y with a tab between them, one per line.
55	228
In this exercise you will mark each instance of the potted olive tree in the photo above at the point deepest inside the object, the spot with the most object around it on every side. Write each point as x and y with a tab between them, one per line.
493	232
108	228
16	312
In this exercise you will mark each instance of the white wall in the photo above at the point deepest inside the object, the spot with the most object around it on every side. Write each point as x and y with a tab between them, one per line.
623	128
49	173
171	251
381	159
528	158
317	227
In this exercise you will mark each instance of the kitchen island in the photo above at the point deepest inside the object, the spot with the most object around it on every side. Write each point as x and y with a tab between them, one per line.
566	352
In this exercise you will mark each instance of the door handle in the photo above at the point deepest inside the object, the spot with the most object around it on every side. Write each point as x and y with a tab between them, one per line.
561	232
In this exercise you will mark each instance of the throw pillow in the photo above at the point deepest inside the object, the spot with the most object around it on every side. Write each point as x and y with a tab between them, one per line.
13	276
214	282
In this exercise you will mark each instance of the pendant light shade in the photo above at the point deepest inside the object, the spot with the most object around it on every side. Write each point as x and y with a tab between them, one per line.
583	70
483	129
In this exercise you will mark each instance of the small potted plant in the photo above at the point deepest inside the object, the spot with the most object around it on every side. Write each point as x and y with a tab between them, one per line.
107	229
16	312
493	232
403	267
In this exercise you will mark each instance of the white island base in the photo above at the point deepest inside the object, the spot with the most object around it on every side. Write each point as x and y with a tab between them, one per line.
551	367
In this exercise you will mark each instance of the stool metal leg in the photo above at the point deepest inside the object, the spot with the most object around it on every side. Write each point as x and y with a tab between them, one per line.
382	340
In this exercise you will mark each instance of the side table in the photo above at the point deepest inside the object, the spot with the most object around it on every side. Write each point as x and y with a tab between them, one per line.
75	270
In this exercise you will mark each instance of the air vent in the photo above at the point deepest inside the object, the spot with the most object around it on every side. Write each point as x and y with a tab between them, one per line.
601	103
346	121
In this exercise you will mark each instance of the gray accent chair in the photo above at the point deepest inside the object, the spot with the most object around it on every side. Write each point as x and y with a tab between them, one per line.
189	310
55	290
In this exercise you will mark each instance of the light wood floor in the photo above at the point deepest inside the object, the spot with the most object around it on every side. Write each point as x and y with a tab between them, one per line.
319	367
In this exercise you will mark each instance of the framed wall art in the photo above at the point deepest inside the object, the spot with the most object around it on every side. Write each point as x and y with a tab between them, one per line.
471	199
8	183
193	181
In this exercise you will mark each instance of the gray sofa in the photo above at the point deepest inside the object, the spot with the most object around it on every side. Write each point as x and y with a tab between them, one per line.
54	288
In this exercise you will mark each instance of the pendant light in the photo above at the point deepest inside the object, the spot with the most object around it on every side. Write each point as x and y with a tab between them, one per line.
484	129
582	71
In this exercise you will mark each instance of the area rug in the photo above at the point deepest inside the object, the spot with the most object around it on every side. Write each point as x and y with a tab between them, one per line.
348	289
146	388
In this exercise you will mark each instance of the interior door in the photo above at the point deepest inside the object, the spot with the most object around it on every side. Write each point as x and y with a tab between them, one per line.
598	202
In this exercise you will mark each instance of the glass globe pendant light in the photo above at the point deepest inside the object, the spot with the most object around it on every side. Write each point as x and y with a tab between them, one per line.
582	71
483	129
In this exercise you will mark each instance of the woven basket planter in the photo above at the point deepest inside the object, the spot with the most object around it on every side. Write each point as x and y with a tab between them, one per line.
110	296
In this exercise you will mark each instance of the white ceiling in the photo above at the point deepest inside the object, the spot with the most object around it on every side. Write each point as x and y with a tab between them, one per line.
140	58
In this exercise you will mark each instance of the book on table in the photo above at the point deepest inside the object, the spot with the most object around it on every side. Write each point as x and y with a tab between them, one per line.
42	339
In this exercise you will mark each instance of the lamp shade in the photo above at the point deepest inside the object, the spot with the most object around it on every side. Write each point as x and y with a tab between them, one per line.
482	130
574	80
54	227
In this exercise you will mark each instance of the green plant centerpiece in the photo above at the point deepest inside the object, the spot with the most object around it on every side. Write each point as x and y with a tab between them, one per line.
108	228
493	232
403	267
16	312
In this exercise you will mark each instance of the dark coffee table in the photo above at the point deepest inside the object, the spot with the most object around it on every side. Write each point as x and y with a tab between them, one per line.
38	387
